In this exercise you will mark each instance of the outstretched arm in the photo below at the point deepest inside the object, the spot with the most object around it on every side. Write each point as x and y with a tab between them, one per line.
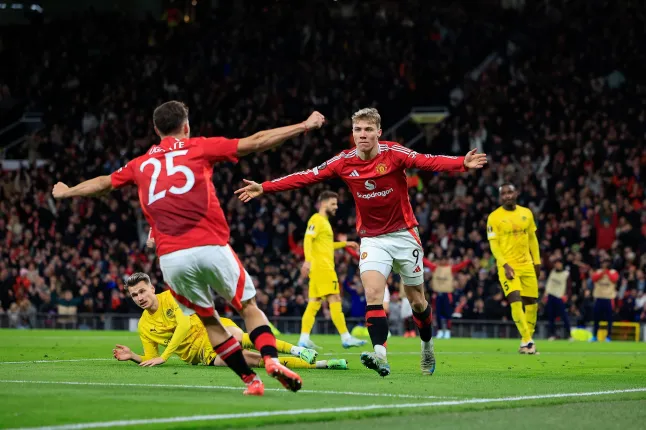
289	182
440	163
92	187
268	139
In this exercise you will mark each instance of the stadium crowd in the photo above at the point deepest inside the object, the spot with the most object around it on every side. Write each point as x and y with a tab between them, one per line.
564	120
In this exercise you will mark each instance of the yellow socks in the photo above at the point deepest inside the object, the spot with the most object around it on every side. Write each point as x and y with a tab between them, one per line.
309	316
284	347
520	319
531	312
292	363
336	312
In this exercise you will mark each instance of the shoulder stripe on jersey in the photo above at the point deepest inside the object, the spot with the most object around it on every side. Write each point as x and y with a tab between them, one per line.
315	170
442	156
409	154
401	148
304	172
351	154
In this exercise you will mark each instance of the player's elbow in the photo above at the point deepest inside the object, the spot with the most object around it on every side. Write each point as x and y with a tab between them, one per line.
253	143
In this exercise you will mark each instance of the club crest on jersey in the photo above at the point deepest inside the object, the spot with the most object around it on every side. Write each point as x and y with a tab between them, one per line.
169	313
364	255
381	168
524	218
370	185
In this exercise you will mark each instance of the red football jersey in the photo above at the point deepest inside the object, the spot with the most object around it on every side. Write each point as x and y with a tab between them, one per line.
176	192
378	186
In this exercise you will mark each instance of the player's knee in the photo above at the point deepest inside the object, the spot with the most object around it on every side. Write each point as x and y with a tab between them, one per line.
529	300
416	297
514	296
333	298
374	294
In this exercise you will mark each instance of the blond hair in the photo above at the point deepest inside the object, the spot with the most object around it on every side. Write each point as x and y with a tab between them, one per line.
367	114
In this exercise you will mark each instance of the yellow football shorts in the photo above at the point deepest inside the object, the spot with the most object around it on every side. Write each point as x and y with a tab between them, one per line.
325	285
524	281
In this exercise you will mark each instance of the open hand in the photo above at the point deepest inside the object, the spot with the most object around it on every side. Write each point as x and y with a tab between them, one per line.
474	161
122	353
249	192
152	362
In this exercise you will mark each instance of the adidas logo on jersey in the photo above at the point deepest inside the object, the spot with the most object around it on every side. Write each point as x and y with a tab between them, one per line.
417	270
354	174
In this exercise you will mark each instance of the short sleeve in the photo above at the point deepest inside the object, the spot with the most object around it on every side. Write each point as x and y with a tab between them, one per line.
492	229
124	176
312	227
219	149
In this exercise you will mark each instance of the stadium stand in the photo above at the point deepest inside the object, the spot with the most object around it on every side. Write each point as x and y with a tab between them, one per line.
562	116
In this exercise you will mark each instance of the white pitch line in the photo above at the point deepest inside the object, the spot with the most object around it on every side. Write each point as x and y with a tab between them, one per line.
292	412
222	387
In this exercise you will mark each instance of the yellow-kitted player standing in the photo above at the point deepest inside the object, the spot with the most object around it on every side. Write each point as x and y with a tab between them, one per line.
319	246
511	231
163	323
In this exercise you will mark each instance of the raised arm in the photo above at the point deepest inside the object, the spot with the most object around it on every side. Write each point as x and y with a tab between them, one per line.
289	182
439	163
457	267
268	139
428	263
597	275
92	187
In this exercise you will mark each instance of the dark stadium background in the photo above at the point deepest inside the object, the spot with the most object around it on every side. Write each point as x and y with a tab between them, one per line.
554	93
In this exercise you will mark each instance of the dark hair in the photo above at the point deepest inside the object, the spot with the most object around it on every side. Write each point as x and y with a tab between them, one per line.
136	278
507	184
327	195
169	117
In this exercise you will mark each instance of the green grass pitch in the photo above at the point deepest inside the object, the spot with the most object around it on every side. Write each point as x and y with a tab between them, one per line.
68	380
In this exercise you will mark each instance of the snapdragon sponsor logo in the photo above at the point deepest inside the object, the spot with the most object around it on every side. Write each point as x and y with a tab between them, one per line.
374	194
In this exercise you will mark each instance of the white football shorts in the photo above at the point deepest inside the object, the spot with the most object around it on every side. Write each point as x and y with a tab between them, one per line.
194	274
400	251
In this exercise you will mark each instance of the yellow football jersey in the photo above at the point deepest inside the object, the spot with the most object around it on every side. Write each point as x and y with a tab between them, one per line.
511	230
319	246
159	328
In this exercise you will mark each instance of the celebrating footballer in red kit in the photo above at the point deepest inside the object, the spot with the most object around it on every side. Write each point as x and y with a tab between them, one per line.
177	196
375	173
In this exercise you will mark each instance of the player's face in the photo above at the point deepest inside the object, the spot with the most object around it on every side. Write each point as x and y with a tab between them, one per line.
508	195
331	205
366	134
143	294
558	265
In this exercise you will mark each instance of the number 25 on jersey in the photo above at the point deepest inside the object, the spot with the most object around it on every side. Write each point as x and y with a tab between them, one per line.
171	169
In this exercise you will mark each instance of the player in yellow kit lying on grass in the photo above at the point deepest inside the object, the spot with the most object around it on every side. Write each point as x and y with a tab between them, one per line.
163	323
